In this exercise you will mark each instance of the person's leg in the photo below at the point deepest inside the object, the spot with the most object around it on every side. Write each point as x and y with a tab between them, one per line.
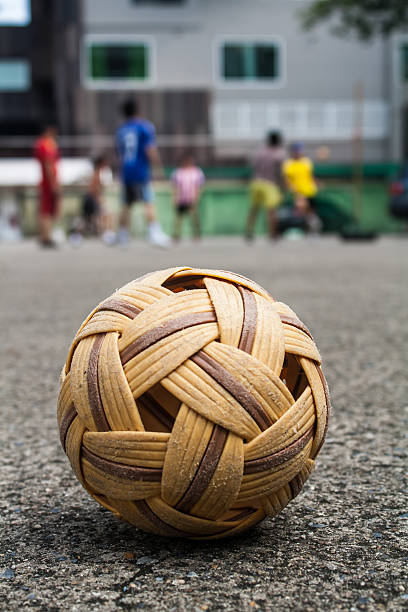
106	227
155	232
147	195
312	203
57	206
252	215
86	224
100	222
272	222
313	220
195	218
149	205
45	223
105	221
255	192
108	220
124	224
150	212
128	197
95	225
273	198
301	205
124	217
46	213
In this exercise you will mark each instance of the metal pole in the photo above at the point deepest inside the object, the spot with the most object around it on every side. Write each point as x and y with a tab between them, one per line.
358	153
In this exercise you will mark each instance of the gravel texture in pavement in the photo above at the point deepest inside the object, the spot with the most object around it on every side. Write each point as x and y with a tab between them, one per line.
341	545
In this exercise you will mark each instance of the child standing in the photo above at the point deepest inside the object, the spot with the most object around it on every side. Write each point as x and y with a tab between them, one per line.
187	183
97	220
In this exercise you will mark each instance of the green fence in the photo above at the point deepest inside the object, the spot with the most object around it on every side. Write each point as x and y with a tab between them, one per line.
377	170
224	207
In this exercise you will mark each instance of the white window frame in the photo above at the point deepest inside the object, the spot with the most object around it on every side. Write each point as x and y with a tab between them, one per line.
221	81
120	84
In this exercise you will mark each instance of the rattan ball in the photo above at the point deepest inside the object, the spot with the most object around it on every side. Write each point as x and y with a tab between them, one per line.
192	403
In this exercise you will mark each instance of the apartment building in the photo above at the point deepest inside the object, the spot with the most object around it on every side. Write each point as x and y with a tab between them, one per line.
39	66
216	72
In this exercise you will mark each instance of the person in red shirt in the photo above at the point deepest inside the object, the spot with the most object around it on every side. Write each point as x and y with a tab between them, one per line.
47	153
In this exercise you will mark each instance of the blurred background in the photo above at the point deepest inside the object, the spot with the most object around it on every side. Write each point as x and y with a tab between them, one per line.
214	76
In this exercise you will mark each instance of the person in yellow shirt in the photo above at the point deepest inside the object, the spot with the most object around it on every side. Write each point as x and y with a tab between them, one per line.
298	173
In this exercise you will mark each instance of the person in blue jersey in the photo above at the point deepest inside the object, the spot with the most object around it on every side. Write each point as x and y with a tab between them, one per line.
136	146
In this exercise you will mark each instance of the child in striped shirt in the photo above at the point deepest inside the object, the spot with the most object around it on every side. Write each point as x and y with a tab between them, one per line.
187	183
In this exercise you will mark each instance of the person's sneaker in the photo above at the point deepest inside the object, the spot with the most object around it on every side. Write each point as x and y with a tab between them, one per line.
109	237
123	237
75	239
314	223
48	244
157	237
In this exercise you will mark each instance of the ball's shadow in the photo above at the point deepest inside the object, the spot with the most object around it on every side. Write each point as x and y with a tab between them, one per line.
90	532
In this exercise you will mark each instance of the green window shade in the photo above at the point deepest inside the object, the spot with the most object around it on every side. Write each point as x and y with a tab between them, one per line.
234	62
404	62
266	61
250	61
118	61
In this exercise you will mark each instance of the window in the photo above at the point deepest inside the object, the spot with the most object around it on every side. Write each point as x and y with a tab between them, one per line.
250	61
117	62
404	62
15	75
15	12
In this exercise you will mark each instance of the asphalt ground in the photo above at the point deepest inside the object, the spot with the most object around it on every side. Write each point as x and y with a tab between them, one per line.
341	545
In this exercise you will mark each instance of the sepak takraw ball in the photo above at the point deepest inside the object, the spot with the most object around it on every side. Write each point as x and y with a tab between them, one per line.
192	403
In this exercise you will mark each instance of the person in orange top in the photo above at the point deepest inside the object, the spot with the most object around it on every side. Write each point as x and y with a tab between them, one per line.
47	153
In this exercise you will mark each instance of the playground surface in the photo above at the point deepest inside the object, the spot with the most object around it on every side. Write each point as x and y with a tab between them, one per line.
341	545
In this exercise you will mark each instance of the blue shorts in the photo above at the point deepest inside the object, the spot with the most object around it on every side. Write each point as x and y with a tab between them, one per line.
138	192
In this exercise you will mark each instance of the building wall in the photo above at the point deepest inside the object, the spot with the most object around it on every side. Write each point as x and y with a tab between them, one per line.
318	65
313	100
